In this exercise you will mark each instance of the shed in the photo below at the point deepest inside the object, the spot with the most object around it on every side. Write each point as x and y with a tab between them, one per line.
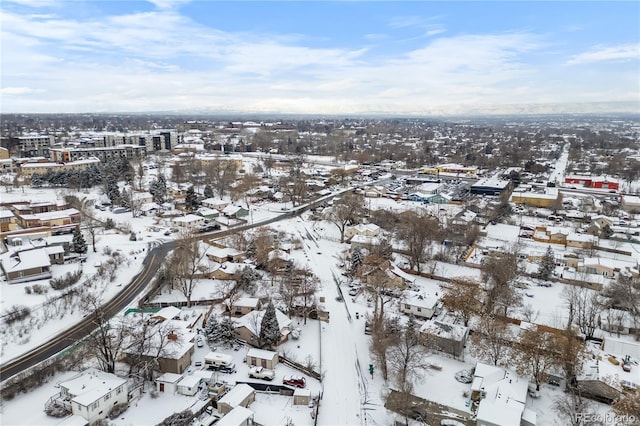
239	416
168	382
189	385
240	396
301	396
262	358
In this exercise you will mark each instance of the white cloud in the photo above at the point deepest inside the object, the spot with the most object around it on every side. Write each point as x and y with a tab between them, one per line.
129	63
606	53
17	90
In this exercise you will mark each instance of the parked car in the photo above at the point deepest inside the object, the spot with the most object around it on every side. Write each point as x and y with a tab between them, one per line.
553	382
297	381
262	373
353	292
450	422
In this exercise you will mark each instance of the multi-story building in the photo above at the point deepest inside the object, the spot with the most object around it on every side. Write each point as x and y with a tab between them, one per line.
35	145
104	154
28	169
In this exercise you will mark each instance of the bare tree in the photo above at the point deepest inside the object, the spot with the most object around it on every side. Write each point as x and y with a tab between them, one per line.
463	296
107	340
349	209
186	264
416	230
491	340
624	294
535	355
295	188
244	186
384	336
575	410
628	405
570	353
379	286
499	273
221	173
407	357
587	308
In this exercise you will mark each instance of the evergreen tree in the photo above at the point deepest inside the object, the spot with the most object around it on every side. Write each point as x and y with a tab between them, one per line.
269	328
191	199
113	192
78	244
212	329
126	170
547	264
208	191
356	260
220	332
158	188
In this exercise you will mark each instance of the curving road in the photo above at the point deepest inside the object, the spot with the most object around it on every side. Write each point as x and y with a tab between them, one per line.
81	329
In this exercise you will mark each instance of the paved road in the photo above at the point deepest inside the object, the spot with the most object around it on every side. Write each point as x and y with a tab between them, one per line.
77	332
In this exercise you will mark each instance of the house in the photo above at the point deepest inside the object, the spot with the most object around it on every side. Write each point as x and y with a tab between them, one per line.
235	212
630	203
239	416
168	382
464	218
8	221
362	241
501	396
170	348
375	267
189	222
248	326
93	394
421	306
244	305
49	218
215	203
28	265
240	396
367	230
223	254
150	209
207	212
261	358
189	385
445	336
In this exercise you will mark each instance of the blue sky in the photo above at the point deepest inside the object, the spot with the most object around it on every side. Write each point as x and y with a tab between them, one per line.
316	57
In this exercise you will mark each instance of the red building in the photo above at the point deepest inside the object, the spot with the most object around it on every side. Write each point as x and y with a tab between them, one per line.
598	182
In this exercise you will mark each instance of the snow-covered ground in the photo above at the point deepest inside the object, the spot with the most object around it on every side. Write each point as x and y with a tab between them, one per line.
338	348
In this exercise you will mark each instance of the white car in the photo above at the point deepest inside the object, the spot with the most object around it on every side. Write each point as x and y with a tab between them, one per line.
262	373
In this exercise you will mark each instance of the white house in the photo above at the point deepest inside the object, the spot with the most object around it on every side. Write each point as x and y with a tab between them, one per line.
168	382
190	221
189	385
421	306
501	396
367	230
94	393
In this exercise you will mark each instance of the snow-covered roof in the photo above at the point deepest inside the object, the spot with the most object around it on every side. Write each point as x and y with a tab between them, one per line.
261	353
190	218
27	259
506	394
236	417
428	301
236	395
222	252
59	214
255	317
190	381
455	332
167	313
92	385
169	378
247	302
